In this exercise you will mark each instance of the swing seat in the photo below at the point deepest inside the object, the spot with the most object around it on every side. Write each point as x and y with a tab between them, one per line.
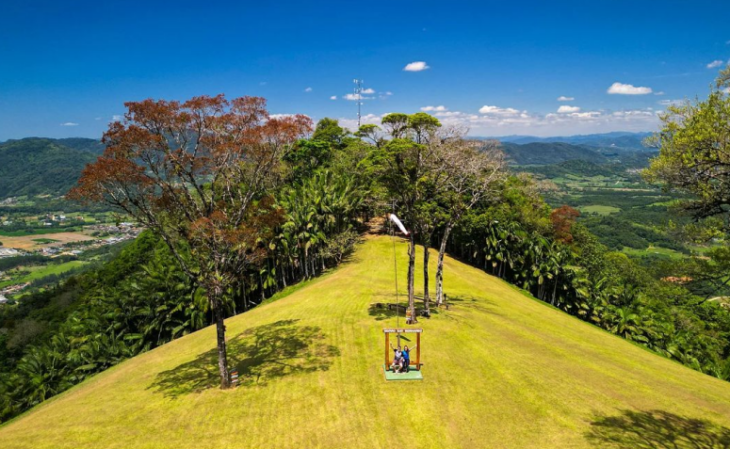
412	374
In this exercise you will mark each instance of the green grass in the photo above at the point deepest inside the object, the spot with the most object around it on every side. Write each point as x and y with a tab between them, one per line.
599	209
40	272
500	370
653	251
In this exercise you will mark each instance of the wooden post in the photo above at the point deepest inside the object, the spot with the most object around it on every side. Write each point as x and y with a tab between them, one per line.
418	350
387	347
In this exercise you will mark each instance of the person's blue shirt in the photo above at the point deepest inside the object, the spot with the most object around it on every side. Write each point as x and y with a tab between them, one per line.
406	355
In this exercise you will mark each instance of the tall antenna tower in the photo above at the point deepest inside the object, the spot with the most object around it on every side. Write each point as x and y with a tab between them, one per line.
358	97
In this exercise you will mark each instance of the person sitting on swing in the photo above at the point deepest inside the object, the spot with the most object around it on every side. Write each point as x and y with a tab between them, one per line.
397	365
406	353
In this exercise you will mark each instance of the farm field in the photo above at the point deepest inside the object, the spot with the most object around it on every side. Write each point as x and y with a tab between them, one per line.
30	242
653	251
599	209
39	272
501	370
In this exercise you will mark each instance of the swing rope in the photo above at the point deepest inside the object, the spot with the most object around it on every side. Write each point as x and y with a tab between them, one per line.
395	266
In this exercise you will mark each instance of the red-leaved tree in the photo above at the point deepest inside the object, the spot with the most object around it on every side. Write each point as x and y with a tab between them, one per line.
563	219
197	174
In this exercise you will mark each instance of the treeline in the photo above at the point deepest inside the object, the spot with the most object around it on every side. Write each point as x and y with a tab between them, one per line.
8	263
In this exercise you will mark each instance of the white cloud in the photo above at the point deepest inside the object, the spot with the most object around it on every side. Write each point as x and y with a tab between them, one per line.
355	97
498	121
97	118
726	90
69	124
308	89
416	66
634	113
551	124
671	102
714	64
117	118
496	110
333	97
628	89
366	119
661	92
434	108
368	91
280	116
567	109
564	98
448	114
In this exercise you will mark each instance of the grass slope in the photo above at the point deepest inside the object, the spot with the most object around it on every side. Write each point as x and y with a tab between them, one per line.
502	370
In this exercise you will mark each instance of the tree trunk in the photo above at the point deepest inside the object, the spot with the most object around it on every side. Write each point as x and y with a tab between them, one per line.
306	266
261	288
426	299
411	272
440	266
245	299
220	328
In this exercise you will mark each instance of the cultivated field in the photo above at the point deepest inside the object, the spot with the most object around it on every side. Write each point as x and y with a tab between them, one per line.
30	242
39	272
501	371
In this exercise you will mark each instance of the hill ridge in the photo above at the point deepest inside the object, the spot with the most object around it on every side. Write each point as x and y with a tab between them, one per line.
501	370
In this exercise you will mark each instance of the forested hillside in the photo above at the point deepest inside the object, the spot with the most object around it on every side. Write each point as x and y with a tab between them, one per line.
542	153
35	166
615	141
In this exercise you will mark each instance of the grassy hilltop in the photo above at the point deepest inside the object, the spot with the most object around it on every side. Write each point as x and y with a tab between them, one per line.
501	370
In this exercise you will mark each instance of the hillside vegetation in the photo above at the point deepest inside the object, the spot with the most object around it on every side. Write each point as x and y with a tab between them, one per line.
35	166
540	153
501	370
615	141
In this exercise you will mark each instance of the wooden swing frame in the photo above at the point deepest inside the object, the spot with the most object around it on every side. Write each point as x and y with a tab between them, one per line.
416	365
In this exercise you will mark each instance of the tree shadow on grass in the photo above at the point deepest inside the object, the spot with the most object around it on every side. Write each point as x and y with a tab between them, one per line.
655	429
470	302
382	311
259	354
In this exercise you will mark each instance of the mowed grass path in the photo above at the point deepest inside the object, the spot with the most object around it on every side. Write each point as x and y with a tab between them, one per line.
501	370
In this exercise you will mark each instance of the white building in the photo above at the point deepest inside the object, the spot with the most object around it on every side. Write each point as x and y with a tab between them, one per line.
8	252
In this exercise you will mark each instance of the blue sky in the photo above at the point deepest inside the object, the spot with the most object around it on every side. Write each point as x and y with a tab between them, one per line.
66	68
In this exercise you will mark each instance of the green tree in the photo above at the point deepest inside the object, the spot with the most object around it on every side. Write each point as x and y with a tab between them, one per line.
694	153
329	130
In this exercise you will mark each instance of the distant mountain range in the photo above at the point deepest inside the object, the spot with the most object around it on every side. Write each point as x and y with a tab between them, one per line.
546	153
618	141
594	148
35	165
